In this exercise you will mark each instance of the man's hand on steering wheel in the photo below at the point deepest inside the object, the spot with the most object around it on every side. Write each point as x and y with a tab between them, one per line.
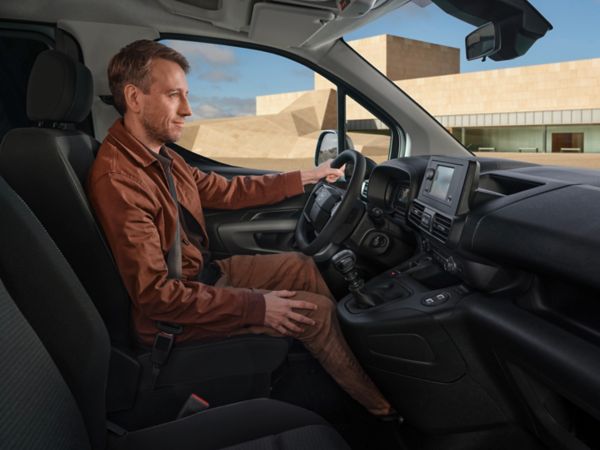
280	314
326	217
323	170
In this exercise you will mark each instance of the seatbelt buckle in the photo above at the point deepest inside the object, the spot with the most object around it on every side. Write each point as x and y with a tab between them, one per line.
194	404
161	349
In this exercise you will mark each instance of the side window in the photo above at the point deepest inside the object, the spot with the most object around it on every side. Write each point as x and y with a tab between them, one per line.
368	133
17	53
253	109
259	110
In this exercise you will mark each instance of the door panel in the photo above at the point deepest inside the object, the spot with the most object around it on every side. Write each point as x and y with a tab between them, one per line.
265	229
268	229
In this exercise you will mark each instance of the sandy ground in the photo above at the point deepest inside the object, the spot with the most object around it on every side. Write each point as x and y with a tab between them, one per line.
585	160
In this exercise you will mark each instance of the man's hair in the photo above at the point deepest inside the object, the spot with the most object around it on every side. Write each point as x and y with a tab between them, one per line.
132	65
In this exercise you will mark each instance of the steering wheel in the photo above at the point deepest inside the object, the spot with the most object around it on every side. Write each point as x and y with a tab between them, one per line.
328	207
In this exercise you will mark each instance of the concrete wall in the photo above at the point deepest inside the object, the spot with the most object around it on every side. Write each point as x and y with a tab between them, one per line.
547	87
273	104
402	59
568	85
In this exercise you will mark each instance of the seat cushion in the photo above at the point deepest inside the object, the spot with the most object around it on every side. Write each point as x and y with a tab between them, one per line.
304	438
262	423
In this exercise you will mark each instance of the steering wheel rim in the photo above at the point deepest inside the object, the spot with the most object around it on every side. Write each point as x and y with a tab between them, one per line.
339	214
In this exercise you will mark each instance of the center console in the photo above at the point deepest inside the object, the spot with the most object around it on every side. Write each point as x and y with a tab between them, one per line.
403	341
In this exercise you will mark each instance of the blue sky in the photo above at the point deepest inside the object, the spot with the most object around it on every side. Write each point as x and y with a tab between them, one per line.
224	81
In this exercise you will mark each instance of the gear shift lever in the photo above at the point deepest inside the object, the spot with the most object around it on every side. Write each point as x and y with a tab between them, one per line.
345	263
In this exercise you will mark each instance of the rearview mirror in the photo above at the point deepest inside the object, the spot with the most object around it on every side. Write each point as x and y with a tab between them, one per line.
483	42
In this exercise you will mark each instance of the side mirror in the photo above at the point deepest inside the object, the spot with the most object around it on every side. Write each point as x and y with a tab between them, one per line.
483	42
327	146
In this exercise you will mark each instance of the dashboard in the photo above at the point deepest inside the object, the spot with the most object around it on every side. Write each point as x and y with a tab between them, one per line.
480	218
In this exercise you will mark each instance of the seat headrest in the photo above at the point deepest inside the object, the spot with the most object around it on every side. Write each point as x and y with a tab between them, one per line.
60	89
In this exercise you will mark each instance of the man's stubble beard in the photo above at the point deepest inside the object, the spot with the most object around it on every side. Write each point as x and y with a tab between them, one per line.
156	133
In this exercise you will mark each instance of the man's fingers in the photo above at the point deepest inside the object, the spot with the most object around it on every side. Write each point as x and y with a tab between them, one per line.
301	319
299	304
293	327
284	294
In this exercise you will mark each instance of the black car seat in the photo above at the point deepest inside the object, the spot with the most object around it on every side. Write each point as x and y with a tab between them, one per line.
47	166
55	350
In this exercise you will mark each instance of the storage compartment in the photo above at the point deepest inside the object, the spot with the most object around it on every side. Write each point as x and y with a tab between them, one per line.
505	185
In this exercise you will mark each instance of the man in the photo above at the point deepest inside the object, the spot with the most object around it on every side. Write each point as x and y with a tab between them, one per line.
132	187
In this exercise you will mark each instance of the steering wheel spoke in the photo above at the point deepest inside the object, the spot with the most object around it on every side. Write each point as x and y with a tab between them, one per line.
328	207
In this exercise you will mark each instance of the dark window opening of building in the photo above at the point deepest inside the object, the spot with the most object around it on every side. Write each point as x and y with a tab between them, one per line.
567	142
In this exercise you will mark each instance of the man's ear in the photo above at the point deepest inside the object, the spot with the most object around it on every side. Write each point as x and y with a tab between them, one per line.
133	98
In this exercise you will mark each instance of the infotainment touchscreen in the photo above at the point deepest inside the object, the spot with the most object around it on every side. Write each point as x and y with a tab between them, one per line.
448	183
441	182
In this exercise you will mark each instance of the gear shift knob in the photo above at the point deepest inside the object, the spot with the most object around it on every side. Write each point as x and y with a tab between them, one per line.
345	263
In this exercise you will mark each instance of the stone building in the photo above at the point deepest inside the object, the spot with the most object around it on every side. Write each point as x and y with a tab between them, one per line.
549	108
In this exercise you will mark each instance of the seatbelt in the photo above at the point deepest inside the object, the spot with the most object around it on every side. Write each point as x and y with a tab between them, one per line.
165	338
174	259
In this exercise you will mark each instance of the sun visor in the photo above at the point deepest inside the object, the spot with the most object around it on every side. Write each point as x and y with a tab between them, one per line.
286	26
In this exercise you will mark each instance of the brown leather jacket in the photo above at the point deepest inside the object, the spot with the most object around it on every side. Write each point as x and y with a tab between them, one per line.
130	196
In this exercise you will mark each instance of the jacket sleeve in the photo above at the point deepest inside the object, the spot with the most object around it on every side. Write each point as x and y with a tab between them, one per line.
126	213
218	192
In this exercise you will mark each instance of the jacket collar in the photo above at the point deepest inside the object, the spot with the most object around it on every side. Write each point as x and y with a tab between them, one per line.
130	145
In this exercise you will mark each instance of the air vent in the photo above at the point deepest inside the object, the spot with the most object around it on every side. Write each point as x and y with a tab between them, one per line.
415	213
440	227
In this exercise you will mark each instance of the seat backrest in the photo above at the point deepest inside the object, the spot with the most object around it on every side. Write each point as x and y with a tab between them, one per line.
50	296
37	409
48	165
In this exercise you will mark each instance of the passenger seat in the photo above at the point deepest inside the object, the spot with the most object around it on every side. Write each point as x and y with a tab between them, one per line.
54	352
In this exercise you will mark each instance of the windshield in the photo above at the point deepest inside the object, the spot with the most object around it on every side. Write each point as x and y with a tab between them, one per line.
542	107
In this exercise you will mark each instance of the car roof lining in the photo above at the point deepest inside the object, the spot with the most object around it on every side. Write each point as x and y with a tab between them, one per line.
233	20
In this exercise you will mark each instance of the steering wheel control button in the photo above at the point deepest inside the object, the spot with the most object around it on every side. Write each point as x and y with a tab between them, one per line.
436	300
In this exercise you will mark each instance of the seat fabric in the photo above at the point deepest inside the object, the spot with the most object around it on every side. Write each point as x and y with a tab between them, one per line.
259	421
37	409
49	295
305	438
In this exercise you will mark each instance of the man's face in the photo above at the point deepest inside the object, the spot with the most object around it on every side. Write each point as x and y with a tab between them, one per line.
165	106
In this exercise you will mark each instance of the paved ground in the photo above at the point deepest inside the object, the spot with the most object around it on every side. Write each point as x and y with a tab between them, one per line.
586	160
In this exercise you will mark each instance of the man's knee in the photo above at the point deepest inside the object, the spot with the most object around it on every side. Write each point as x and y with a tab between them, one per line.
325	307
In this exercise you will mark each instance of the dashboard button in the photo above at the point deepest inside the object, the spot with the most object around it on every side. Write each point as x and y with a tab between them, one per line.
436	300
429	301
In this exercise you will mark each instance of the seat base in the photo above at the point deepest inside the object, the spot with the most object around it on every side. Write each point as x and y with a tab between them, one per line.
253	424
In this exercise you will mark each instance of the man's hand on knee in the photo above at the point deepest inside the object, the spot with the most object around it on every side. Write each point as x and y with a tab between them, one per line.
280	314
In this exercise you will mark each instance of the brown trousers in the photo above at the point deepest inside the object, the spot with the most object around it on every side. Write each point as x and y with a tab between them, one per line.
297	272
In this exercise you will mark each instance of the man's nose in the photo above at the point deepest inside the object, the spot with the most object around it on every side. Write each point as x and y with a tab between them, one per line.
184	108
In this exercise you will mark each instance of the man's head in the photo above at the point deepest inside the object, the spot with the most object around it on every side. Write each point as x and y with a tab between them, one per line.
149	87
